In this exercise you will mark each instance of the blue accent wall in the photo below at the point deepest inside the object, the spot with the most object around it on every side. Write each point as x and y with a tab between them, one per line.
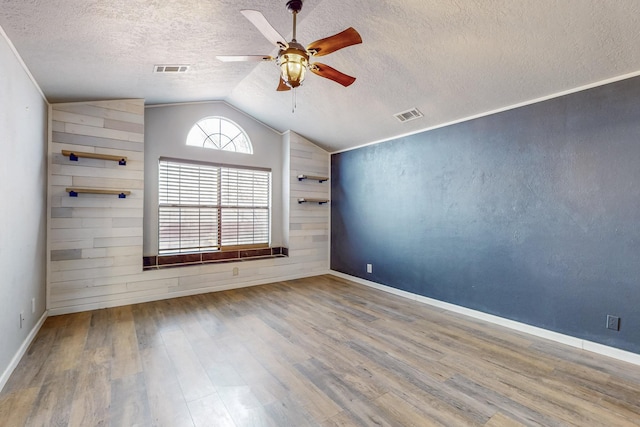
532	214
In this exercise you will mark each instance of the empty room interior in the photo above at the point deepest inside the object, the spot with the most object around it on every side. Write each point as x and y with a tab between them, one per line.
320	213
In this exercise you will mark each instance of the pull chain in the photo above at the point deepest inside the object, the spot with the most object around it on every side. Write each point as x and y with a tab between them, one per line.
294	100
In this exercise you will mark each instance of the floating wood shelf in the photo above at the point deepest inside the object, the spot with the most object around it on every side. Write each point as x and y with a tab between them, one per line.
73	192
74	155
318	201
313	178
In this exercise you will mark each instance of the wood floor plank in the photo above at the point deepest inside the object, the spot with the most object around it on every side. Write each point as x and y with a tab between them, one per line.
125	360
473	410
341	419
302	391
321	351
344	394
192	323
358	379
243	406
100	329
92	397
500	420
52	407
445	412
146	326
167	405
193	379
402	413
510	408
537	393
129	402
288	412
15	407
209	411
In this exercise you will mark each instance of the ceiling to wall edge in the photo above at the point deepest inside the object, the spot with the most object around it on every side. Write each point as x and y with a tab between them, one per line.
499	110
218	101
224	102
12	47
429	128
22	63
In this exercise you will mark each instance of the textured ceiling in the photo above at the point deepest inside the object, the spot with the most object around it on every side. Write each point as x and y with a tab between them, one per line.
450	59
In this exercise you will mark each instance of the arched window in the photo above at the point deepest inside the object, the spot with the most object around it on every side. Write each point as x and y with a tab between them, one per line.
219	133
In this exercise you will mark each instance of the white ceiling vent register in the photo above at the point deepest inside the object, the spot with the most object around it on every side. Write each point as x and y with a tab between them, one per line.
408	115
173	68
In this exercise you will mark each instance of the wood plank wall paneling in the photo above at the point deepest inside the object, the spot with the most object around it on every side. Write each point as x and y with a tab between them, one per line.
95	239
96	243
309	222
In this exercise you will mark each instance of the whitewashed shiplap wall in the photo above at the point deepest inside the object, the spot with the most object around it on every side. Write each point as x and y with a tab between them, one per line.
308	222
95	241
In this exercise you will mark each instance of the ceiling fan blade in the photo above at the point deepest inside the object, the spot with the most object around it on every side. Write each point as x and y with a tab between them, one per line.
331	73
338	41
282	86
261	23
247	58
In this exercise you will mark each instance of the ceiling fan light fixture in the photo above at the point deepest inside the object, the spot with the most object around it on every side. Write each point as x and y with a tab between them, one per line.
293	66
293	58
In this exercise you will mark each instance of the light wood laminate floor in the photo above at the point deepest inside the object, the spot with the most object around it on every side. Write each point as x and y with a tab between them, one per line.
313	352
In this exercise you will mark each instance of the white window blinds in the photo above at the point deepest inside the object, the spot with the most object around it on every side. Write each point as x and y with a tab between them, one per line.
208	207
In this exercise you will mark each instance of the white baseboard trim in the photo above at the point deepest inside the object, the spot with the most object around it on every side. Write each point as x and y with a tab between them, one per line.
55	311
615	353
22	350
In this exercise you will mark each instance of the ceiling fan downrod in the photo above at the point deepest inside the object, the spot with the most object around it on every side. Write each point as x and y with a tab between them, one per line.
294	6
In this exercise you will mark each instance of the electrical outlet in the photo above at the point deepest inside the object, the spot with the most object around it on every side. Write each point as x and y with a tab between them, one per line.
369	268
21	319
236	271
33	305
613	322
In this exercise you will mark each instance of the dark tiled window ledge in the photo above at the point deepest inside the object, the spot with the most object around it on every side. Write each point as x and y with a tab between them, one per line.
180	260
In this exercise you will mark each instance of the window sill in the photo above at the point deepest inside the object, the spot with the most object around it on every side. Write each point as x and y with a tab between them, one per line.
180	260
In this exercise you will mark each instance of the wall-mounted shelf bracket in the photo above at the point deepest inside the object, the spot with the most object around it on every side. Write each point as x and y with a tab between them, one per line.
318	201
73	192
75	155
313	178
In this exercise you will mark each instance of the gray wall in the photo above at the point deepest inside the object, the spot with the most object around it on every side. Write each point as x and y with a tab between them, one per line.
23	185
166	130
532	214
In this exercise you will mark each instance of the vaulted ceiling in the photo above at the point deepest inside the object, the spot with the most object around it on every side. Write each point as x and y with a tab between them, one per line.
450	59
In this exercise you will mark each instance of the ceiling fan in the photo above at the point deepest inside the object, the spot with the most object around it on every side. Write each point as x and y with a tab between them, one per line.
293	58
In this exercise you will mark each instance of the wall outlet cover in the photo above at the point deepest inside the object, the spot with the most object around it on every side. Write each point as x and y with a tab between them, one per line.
613	322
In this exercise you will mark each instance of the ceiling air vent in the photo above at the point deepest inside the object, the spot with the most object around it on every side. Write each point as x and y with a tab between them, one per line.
180	68
408	115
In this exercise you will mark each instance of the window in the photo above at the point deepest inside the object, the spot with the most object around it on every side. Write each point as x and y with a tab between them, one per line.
210	207
219	133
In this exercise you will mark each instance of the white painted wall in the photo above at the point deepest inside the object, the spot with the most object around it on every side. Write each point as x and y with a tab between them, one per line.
166	129
23	184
